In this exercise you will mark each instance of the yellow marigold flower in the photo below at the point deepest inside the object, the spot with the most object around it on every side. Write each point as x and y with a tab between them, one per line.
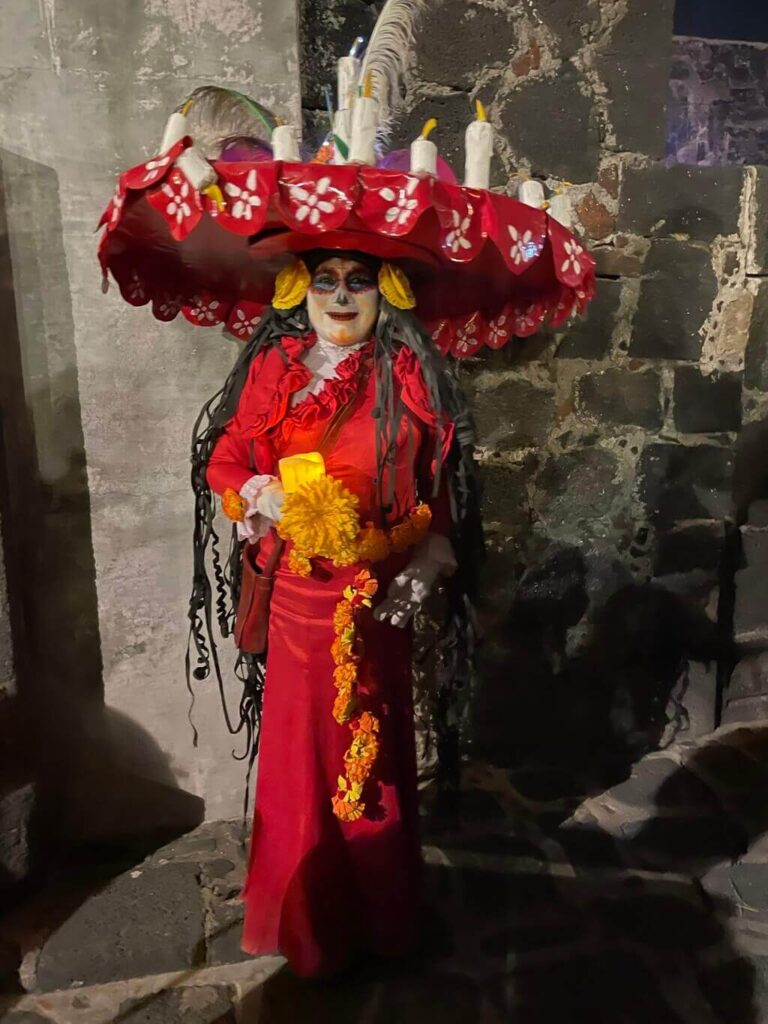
320	517
345	557
358	772
365	747
299	563
343	616
372	544
233	506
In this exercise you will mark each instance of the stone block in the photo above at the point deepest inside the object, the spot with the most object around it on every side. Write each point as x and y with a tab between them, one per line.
145	921
569	20
589	337
690	548
17	805
756	355
193	1004
595	217
615	261
706	404
699	700
680	482
759	221
570	147
455	46
575	489
505	493
700	202
749	678
634	62
676	296
511	412
750	613
621	396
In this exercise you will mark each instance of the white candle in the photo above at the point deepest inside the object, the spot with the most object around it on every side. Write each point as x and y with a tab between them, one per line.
424	151
532	193
347	73
285	145
198	171
365	114
478	143
560	209
342	131
175	129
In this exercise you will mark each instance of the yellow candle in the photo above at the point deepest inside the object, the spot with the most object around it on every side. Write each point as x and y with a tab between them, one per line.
296	470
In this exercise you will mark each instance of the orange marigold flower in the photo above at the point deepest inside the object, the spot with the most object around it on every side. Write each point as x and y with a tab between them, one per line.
421	517
364	747
372	544
367	723
342	651
344	707
345	674
358	772
233	506
343	616
347	810
299	563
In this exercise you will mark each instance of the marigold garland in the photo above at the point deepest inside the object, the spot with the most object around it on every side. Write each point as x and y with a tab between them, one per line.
347	651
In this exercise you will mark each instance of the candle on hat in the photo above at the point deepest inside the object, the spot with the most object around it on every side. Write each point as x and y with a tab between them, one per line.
285	144
347	73
365	117
424	151
479	149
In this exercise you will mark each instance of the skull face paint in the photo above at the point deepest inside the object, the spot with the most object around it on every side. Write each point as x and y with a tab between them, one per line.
343	301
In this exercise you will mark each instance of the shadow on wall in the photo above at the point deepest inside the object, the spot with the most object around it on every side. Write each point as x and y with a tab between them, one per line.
96	775
578	722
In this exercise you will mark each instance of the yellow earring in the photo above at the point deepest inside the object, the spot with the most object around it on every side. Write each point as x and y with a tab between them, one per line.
395	287
291	285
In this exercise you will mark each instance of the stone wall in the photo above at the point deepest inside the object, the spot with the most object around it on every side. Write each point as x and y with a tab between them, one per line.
608	449
718	106
97	403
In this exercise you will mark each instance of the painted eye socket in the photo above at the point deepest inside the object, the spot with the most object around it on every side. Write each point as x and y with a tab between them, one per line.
325	282
359	282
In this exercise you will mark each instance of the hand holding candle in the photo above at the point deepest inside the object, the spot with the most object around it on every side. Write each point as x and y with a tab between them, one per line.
424	151
479	149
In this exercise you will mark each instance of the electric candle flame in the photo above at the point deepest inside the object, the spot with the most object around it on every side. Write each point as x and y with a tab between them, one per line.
480	111
429	126
296	470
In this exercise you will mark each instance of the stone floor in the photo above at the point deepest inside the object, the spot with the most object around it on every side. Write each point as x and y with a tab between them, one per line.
646	904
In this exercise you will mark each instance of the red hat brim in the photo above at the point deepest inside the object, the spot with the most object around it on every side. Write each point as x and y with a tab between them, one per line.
473	257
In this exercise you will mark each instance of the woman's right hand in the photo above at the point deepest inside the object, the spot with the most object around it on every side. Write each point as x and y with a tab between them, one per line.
264	498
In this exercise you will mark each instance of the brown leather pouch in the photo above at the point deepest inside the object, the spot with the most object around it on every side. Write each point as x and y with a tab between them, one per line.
252	620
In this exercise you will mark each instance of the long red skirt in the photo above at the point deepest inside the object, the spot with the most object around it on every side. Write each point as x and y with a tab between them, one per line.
319	890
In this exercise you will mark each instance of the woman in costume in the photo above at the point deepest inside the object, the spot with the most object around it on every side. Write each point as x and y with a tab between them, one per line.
342	448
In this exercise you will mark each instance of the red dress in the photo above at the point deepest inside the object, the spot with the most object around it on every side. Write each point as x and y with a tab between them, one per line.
319	890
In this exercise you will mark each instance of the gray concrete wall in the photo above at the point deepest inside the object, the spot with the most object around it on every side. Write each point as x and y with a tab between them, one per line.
99	399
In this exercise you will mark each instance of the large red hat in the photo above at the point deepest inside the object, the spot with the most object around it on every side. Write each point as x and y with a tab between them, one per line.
484	267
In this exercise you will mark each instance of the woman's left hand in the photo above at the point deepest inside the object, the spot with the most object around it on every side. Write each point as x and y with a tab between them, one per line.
410	588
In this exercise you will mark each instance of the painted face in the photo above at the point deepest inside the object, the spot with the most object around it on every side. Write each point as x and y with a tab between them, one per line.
343	301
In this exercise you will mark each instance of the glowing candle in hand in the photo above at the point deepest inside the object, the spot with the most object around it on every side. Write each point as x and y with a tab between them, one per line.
424	151
479	149
296	470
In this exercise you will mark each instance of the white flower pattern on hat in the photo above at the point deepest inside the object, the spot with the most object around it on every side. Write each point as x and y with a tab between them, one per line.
178	207
153	165
520	251
403	205
245	198
310	198
456	239
572	262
